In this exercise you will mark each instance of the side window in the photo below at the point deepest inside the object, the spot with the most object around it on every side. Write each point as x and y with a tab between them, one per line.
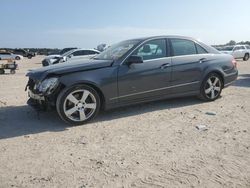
236	48
200	50
242	48
152	50
79	53
90	52
247	47
183	47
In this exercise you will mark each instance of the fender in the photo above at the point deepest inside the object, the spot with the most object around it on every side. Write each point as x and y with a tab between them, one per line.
106	81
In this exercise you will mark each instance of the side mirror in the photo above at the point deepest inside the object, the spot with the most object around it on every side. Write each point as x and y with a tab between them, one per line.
134	59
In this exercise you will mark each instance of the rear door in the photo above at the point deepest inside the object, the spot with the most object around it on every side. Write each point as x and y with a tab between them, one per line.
187	60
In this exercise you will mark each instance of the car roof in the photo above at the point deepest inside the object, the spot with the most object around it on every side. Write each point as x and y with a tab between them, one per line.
78	49
164	36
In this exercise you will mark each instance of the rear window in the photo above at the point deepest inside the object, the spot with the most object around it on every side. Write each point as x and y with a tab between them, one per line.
79	53
90	52
200	50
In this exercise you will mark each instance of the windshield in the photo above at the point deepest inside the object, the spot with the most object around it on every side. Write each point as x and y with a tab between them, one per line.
117	50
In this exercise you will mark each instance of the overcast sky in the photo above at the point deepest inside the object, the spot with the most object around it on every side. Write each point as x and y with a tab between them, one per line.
87	23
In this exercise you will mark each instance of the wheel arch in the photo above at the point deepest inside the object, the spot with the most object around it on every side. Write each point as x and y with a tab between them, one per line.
90	84
216	71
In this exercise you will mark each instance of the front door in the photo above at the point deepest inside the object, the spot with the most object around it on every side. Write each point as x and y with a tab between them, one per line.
138	82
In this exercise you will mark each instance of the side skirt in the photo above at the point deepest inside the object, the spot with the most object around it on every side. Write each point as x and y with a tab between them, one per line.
145	100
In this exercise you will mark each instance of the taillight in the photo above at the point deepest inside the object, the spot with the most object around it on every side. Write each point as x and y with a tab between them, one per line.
234	62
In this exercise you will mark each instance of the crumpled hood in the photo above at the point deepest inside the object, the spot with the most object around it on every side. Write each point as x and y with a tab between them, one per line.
68	67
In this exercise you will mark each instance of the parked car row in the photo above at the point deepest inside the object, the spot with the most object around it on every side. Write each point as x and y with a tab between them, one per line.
72	54
49	51
237	51
8	55
24	53
130	72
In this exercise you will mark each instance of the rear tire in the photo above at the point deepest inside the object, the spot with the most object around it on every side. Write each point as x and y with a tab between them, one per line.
78	104
2	71
246	57
12	71
17	58
211	87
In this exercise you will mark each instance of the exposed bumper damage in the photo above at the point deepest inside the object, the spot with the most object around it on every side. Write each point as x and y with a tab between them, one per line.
38	100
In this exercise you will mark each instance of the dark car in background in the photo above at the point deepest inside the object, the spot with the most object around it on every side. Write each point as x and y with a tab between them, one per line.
53	51
24	53
130	72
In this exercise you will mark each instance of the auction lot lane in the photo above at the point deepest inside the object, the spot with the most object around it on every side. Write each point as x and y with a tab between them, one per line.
149	145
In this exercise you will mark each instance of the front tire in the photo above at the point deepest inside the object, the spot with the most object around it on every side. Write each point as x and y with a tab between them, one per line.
211	87
246	57
78	104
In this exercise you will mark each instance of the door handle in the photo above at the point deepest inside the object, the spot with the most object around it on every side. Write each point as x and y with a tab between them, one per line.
202	60
164	66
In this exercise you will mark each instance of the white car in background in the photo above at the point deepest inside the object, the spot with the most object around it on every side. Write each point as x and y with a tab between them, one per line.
237	51
8	55
74	54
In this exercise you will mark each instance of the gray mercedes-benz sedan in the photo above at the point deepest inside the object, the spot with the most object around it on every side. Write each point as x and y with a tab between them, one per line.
132	71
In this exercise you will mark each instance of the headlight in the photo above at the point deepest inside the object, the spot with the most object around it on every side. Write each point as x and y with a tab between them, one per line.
48	85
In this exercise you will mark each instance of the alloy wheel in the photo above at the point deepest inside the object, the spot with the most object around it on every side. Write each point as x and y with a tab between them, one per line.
213	87
79	105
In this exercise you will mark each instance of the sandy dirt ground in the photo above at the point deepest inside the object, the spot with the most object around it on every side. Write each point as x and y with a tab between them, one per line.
148	145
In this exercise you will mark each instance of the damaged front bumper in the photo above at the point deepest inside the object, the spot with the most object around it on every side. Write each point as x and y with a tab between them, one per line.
41	100
36	101
35	96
